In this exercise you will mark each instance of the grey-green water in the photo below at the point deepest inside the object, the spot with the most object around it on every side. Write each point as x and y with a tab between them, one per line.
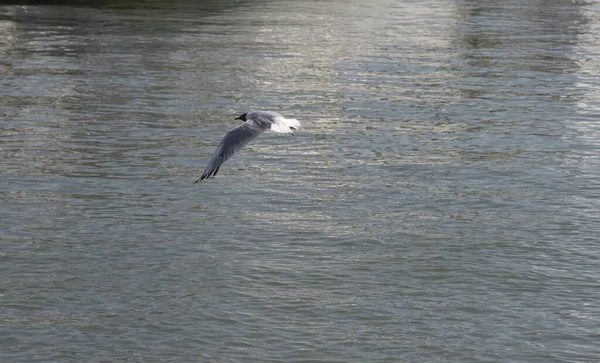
441	203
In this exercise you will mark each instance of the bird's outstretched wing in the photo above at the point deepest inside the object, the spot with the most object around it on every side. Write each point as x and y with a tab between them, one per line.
233	141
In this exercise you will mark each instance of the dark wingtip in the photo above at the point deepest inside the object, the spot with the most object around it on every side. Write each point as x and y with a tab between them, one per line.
204	176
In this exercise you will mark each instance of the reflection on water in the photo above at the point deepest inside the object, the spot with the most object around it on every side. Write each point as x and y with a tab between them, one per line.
439	204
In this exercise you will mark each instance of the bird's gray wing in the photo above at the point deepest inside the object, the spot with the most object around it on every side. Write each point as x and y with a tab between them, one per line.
233	140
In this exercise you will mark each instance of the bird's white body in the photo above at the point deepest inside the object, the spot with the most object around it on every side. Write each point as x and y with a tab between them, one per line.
285	125
256	122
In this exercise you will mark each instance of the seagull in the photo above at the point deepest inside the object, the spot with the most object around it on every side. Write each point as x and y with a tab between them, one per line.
255	123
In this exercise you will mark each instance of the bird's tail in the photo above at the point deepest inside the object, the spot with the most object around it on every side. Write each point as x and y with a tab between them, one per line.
285	125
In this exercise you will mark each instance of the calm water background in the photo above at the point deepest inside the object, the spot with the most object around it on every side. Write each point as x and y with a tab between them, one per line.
441	203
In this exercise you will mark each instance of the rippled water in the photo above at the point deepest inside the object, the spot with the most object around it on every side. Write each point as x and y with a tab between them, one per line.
440	204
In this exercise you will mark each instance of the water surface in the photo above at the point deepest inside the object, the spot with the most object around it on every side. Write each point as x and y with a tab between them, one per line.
440	204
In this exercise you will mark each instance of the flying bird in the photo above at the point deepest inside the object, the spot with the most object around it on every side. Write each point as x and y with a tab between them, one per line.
255	123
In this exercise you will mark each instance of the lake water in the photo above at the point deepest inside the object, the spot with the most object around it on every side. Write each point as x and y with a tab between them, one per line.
441	202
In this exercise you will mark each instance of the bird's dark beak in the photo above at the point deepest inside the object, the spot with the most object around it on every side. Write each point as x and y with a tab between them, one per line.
238	118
